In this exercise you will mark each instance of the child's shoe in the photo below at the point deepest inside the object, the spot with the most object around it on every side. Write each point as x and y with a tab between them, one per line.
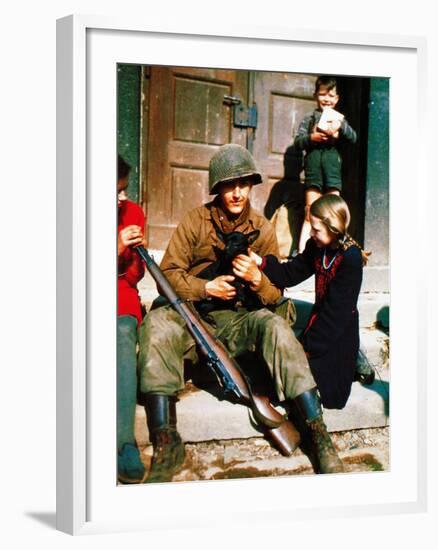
130	467
364	371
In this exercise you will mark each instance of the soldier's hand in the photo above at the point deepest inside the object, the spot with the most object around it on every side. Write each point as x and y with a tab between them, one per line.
221	287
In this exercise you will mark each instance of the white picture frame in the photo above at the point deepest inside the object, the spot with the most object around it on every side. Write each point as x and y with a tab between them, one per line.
88	500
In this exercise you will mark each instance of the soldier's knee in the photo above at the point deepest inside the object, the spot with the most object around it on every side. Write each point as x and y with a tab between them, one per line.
264	317
273	323
282	329
159	321
153	334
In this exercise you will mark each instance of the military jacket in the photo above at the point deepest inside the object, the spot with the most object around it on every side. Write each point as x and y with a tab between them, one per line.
192	248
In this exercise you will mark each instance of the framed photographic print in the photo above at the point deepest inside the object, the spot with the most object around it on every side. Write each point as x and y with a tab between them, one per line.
166	102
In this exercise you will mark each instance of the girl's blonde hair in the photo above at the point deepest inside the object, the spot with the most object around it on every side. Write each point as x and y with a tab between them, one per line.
334	213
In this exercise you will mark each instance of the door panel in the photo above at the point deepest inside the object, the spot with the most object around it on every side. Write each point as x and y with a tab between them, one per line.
186	183
209	121
188	121
282	100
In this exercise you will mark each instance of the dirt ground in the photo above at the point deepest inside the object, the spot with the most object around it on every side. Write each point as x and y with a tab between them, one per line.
364	450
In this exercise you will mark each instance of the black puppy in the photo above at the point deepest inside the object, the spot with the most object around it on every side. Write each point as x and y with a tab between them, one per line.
235	243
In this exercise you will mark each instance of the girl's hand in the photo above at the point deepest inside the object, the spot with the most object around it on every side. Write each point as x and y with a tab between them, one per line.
258	259
130	235
246	268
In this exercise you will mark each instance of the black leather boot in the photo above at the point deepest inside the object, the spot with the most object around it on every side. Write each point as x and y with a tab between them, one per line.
327	459
168	447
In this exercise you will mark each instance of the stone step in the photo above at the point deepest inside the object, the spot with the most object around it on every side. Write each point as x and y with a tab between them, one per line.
203	417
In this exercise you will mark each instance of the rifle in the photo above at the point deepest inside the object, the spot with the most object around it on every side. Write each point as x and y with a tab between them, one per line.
230	376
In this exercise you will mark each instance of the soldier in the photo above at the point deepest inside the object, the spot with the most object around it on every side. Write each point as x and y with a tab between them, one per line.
165	342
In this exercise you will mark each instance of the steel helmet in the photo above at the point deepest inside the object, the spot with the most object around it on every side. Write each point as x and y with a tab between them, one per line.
230	162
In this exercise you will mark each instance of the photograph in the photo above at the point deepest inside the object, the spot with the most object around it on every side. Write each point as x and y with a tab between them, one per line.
253	274
259	306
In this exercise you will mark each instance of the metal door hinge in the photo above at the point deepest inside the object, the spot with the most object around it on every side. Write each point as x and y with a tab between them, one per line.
244	117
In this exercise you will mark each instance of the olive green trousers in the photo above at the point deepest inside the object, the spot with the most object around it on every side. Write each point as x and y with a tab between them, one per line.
165	343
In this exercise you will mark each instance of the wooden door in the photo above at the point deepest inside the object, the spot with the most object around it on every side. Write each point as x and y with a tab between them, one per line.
282	100
188	120
185	120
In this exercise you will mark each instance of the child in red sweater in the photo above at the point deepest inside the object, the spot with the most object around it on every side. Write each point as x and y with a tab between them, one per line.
131	223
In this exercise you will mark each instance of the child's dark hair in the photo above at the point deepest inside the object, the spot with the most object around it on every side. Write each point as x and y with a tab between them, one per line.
327	81
123	168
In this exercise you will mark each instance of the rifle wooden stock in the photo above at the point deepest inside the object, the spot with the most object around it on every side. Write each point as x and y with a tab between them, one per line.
229	373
